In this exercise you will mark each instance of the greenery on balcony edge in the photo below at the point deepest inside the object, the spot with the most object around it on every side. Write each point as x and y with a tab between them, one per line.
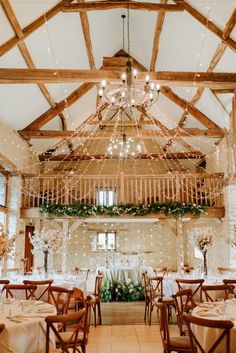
175	209
122	291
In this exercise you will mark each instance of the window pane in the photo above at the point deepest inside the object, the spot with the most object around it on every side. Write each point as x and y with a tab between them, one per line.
2	190
111	241
2	218
106	197
101	241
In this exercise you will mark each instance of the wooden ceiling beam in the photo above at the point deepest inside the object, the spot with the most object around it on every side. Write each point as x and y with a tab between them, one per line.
156	39
100	134
191	109
223	91
60	107
87	38
110	5
171	78
207	23
11	43
153	156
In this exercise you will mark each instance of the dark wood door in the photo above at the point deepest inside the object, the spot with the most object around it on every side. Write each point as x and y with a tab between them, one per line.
29	257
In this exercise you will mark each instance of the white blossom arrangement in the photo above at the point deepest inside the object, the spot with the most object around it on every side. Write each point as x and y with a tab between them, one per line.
6	244
202	238
46	240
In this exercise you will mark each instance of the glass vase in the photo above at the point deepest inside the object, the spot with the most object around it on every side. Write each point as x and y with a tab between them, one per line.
205	262
46	262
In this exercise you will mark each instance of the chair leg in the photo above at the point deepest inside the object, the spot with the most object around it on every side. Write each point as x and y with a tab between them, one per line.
99	313
95	314
150	315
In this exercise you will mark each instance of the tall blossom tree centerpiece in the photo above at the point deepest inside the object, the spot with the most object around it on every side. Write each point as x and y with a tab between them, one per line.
6	245
203	238
46	241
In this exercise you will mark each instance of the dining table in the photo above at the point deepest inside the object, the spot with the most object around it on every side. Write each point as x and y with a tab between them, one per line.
25	326
220	310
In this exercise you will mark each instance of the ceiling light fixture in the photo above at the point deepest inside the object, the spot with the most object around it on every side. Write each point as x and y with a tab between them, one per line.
129	93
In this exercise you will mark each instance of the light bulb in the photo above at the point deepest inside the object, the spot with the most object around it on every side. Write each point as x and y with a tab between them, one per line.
152	86
112	100
135	73
104	83
147	79
123	77
133	102
123	94
100	92
158	87
151	96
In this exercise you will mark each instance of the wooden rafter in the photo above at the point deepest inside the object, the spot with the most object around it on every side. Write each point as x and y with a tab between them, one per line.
11	43
110	5
213	63
60	107
144	134
157	35
79	157
191	109
29	61
207	23
172	78
87	38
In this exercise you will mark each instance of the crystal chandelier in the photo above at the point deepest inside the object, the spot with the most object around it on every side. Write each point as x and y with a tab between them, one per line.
125	147
129	93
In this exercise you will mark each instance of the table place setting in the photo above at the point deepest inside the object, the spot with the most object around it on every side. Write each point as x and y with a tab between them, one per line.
222	310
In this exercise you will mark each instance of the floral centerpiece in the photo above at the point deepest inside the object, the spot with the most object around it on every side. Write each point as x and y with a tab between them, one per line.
46	241
6	244
203	238
122	291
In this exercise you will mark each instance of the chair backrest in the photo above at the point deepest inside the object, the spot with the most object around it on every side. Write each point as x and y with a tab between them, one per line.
212	292
224	326
98	285
3	283
2	327
195	285
187	269
183	303
60	298
156	287
163	323
231	282
13	289
84	271
46	284
222	270
147	286
52	324
162	271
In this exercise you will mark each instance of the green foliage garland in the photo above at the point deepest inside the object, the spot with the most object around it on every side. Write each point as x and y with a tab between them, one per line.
175	209
122	291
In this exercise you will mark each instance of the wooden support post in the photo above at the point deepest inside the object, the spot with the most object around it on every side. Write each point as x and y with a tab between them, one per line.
180	244
233	129
122	188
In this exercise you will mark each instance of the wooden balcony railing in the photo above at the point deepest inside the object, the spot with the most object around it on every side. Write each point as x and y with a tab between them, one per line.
60	189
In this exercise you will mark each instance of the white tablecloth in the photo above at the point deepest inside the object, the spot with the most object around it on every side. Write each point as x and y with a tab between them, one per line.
123	274
207	336
27	333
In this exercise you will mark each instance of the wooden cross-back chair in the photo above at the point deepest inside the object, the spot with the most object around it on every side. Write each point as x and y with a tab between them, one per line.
60	298
77	299
80	327
222	270
212	292
223	325
230	282
47	283
195	285
163	271
2	327
183	303
81	270
171	344
147	296
3	283
96	299
13	289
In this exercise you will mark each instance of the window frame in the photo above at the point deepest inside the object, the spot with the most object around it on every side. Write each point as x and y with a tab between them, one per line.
105	192
106	249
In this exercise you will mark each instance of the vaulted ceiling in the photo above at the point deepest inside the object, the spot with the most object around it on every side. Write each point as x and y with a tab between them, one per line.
194	36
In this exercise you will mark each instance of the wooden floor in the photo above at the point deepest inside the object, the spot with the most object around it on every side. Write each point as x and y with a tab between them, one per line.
124	313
